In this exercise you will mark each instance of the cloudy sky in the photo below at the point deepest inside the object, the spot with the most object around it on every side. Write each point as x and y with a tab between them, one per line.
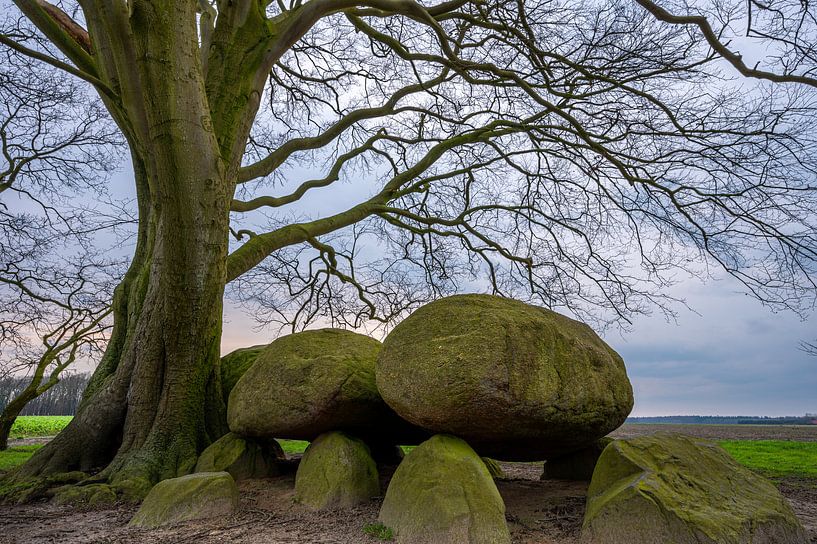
730	356
734	358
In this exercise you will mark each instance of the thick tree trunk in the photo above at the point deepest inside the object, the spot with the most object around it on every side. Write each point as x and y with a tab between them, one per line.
147	413
154	402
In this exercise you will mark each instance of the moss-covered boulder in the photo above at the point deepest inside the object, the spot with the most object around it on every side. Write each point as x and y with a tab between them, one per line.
235	364
576	465
518	382
336	471
676	489
92	495
195	496
443	493
305	384
242	457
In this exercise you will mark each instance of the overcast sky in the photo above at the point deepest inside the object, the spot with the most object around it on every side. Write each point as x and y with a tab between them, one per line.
731	356
735	358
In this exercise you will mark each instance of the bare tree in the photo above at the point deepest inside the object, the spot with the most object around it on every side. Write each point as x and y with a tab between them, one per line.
574	154
57	143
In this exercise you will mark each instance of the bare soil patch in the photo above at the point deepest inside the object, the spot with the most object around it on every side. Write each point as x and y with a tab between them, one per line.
538	513
799	433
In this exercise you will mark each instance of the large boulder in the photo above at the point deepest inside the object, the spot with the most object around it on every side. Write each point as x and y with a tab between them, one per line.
242	457
674	489
443	493
336	471
518	382
234	365
305	384
195	496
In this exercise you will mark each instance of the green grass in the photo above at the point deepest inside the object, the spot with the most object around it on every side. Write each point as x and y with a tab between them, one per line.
293	446
30	426
17	455
379	531
775	458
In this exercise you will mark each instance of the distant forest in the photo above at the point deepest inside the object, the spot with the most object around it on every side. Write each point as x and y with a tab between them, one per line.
808	419
60	400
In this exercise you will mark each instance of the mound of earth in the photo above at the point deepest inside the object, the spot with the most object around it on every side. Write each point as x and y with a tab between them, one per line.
516	381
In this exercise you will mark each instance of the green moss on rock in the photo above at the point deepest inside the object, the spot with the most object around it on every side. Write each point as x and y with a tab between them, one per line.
494	468
518	382
576	465
242	457
93	495
676	489
305	384
443	492
195	496
336	471
234	365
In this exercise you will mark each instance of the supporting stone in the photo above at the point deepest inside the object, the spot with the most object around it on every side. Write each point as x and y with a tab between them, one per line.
442	492
195	496
336	471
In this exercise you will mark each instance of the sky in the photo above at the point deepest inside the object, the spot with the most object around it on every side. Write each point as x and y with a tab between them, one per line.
728	355
731	356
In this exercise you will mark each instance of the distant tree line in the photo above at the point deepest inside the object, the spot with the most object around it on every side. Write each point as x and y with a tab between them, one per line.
808	419
60	400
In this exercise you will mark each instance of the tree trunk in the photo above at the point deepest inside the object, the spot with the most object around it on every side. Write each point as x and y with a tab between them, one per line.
147	412
155	400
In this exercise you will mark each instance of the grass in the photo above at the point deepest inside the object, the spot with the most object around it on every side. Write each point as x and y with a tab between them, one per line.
31	426
17	455
775	458
379	531
293	446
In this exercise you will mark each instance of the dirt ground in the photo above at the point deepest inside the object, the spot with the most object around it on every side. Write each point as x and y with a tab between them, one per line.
538	512
799	433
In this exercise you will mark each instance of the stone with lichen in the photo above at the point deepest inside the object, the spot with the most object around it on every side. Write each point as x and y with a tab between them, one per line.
516	381
674	489
242	457
305	384
443	492
336	471
196	496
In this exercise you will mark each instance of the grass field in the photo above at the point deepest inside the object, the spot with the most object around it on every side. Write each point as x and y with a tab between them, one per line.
772	458
16	456
775	458
31	426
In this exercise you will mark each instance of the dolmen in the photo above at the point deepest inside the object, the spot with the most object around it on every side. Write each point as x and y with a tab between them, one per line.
470	379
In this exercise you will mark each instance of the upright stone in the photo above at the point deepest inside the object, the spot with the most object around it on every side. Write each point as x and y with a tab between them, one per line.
195	496
336	471
674	489
242	457
517	382
443	493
